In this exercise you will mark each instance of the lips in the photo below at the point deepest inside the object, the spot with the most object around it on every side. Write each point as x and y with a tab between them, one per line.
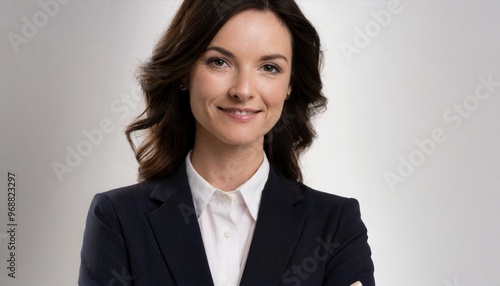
240	114
239	111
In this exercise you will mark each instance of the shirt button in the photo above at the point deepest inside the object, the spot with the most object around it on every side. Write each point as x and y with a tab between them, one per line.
223	198
233	196
228	234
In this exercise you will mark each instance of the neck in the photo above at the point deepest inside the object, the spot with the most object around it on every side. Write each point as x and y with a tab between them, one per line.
226	167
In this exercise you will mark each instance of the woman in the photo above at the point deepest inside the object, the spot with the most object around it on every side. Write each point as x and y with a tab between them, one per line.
230	91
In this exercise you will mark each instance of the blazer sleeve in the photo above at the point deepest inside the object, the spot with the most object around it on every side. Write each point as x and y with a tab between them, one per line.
104	258
351	259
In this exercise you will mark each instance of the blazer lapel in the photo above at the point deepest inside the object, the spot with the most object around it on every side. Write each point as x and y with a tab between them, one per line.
177	232
277	231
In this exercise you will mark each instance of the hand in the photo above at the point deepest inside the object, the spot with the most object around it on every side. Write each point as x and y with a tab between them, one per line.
357	284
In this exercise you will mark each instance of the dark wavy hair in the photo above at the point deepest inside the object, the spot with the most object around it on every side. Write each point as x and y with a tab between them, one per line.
168	122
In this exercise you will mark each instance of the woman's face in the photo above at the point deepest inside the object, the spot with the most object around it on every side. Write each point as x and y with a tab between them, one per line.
239	85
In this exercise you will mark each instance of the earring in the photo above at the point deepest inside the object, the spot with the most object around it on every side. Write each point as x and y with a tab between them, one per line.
183	87
287	96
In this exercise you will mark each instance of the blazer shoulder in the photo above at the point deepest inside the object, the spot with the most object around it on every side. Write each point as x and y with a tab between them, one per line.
325	204
318	196
130	192
126	197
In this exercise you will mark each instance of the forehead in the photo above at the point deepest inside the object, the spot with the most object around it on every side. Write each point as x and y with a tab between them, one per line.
255	30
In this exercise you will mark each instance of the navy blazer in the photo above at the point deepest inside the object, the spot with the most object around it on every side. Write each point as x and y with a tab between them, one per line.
148	234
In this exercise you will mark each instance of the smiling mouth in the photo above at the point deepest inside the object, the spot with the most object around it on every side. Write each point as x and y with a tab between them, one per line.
239	111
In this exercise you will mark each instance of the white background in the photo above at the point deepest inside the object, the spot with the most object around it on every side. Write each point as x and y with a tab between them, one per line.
439	225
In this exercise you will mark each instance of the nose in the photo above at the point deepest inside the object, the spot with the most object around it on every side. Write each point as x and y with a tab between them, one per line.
242	88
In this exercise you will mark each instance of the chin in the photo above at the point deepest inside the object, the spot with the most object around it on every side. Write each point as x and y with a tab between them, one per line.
242	140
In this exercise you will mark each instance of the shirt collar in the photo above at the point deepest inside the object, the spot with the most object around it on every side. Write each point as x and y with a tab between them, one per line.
251	190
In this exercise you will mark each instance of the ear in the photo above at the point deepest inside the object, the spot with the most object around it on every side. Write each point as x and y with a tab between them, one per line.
184	82
289	91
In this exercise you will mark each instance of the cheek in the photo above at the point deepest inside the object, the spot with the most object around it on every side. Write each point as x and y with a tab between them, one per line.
200	90
197	103
276	103
276	97
199	108
204	86
275	108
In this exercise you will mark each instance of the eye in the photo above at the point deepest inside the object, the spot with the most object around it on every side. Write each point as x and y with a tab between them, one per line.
217	62
271	68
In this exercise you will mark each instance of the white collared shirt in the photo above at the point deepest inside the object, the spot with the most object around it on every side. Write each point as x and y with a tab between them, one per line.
227	221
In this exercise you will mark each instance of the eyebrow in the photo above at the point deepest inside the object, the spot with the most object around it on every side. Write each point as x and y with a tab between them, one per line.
231	55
